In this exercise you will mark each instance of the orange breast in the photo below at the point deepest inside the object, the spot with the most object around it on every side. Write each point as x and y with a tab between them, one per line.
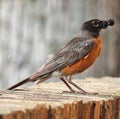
85	62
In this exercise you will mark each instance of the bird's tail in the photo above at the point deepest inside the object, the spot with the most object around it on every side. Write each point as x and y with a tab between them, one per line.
32	78
20	83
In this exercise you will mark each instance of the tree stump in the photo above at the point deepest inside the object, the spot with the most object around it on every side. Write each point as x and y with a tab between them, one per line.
47	101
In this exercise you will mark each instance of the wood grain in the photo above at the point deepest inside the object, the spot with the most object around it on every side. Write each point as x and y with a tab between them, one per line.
47	101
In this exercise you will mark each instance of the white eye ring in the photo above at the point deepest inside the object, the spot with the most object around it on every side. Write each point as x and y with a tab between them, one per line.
95	23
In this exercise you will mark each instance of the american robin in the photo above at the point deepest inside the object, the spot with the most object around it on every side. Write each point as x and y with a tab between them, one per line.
75	57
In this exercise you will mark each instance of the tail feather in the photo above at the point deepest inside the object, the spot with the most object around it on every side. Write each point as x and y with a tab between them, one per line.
19	84
32	78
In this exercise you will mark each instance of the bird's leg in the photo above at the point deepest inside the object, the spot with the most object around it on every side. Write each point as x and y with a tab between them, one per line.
69	79
71	90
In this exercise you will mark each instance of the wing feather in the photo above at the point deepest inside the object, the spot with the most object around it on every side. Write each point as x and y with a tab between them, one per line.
75	50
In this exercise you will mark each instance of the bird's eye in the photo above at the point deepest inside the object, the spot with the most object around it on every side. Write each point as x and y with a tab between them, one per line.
95	23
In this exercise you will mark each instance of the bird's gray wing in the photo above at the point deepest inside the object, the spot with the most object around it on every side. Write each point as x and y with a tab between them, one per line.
75	50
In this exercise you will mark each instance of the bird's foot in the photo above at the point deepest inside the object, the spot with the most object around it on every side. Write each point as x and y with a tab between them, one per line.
79	92
94	93
74	92
70	92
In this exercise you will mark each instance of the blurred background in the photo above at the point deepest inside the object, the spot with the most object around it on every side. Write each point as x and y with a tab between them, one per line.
32	30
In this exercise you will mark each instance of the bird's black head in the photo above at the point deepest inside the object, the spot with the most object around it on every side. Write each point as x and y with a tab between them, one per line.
94	26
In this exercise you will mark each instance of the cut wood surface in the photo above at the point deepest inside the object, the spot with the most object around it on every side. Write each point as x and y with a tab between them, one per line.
48	101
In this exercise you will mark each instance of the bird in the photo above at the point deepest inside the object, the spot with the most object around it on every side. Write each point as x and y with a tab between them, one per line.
75	57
